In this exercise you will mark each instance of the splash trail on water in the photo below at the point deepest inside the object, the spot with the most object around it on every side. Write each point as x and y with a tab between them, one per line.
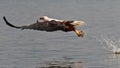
111	45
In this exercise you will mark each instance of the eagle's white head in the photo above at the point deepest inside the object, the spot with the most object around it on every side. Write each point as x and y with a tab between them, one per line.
78	23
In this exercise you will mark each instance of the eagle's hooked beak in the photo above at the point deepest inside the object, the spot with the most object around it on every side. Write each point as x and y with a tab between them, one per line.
79	33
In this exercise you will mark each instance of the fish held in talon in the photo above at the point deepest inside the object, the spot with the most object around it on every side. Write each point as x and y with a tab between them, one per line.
50	25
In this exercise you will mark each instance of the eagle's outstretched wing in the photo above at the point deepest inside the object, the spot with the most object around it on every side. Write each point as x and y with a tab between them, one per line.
9	24
42	26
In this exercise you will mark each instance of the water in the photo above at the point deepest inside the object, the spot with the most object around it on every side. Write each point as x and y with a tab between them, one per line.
28	48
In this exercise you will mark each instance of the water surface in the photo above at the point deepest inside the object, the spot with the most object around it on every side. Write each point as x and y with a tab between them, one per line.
28	48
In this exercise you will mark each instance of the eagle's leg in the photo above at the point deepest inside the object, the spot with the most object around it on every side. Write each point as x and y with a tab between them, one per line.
79	33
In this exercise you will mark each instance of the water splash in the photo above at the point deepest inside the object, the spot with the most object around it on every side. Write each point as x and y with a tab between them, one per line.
109	42
111	45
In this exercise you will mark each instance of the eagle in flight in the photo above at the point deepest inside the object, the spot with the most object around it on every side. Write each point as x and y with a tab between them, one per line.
50	25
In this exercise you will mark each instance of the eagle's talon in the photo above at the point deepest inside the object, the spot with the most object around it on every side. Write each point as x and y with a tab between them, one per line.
81	34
